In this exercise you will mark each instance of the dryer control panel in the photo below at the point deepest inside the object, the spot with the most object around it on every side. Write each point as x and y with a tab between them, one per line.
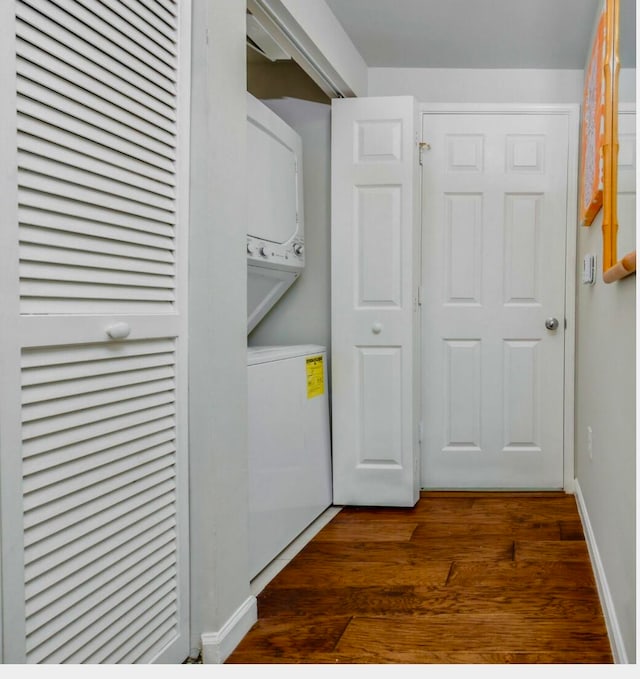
263	253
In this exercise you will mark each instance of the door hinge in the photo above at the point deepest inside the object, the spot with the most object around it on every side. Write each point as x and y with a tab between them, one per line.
420	295
422	146
420	432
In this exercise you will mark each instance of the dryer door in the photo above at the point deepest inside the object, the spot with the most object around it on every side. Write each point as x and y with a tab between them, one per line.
274	167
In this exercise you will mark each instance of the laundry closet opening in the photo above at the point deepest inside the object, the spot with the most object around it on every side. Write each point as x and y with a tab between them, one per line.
288	301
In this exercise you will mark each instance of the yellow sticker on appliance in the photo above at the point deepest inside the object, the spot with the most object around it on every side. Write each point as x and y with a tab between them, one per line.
315	376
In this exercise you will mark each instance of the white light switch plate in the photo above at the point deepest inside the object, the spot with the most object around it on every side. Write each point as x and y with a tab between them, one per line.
589	270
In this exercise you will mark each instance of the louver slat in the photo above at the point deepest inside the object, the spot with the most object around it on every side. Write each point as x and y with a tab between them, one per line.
136	630
84	401
139	9
70	82
110	291
46	605
62	102
88	178
154	642
96	529
63	127
52	505
154	100
133	605
103	429
119	95
95	32
43	392
135	171
59	247
128	24
35	148
119	33
37	245
132	286
73	191
83	417
61	206
121	560
58	583
114	240
100	512
44	357
165	9
87	598
100	540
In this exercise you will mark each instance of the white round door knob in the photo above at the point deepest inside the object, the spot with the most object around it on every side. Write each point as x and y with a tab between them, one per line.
119	330
376	328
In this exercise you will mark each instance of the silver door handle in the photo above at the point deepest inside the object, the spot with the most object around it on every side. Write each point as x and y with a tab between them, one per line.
551	324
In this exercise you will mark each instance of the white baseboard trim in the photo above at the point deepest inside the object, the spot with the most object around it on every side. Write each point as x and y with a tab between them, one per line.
218	646
606	600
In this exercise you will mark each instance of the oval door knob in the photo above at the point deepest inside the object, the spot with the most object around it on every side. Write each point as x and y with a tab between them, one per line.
376	328
119	330
551	324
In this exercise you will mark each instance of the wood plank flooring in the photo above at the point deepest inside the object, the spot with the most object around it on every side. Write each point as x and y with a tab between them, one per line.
460	578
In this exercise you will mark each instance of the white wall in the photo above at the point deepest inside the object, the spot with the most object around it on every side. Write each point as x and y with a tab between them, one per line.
476	86
627	84
217	332
303	315
606	402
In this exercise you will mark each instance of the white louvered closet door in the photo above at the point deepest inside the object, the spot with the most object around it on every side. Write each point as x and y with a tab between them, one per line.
93	188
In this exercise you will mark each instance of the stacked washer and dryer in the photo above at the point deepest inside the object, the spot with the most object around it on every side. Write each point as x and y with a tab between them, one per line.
289	440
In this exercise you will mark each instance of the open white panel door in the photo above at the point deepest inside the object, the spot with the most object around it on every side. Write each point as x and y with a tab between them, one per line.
375	275
93	188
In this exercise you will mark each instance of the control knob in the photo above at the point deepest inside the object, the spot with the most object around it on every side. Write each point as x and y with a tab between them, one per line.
250	249
298	249
264	251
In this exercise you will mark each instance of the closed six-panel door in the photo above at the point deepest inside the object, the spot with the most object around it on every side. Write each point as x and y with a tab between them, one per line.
494	230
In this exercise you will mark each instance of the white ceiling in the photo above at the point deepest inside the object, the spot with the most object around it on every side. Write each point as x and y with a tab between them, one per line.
475	33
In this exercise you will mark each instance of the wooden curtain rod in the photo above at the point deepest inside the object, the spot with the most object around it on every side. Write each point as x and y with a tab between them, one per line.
624	267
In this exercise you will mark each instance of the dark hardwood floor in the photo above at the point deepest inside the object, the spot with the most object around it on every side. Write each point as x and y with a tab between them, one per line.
460	578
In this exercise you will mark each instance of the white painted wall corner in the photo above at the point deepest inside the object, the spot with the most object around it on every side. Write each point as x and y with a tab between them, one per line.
218	646
606	600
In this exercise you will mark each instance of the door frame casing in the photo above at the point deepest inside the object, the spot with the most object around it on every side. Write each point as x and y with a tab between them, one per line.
572	114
